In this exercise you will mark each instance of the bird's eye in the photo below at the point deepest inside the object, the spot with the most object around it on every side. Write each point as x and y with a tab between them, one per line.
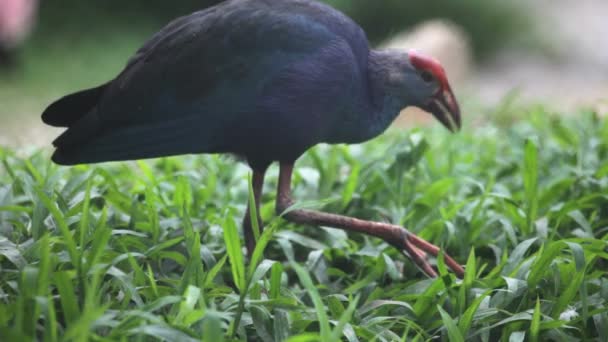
426	76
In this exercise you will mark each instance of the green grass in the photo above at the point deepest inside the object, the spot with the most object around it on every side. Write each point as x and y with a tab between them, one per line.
152	250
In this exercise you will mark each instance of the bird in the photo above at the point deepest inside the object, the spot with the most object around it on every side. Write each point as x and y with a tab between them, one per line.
264	80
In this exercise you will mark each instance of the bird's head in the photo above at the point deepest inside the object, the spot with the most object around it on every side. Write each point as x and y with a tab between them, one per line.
433	91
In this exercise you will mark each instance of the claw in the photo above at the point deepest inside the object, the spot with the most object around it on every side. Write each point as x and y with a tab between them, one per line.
413	240
419	258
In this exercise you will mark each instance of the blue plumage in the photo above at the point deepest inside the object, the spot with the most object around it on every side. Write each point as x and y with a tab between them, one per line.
265	79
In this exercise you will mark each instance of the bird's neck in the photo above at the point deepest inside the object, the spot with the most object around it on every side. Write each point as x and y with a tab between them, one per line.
384	67
378	98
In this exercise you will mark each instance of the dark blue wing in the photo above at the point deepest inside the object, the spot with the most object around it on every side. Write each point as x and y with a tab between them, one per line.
191	83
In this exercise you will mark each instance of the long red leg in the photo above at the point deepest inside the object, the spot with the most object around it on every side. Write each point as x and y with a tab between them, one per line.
413	246
257	183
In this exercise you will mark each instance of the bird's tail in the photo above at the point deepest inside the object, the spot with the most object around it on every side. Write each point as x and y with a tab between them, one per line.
69	109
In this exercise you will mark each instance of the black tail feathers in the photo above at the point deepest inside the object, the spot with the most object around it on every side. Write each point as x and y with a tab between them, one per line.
71	108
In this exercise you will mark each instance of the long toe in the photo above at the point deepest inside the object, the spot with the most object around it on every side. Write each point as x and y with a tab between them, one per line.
427	247
419	258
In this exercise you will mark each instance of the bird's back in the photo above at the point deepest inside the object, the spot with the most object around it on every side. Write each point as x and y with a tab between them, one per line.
196	85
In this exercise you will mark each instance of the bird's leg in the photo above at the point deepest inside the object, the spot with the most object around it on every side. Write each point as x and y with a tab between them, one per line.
257	184
397	236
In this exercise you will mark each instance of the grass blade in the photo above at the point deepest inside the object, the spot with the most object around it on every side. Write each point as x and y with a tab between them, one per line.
530	175
235	255
275	280
68	239
451	327
258	252
535	323
466	320
253	211
344	319
306	281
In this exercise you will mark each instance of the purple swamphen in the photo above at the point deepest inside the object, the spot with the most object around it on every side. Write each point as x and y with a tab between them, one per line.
262	79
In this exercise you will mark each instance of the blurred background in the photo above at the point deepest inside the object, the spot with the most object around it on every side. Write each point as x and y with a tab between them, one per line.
497	53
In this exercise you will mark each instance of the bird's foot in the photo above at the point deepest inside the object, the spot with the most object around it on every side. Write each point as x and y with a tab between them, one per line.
414	247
